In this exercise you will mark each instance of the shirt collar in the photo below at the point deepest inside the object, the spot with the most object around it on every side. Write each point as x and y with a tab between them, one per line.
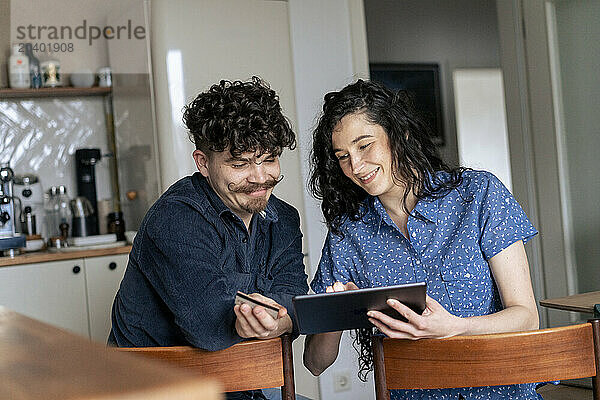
426	207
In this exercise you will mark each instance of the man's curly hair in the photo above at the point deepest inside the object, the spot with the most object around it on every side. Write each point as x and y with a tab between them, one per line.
415	162
239	116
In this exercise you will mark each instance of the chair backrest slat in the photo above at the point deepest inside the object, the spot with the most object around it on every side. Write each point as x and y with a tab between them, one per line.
498	359
249	365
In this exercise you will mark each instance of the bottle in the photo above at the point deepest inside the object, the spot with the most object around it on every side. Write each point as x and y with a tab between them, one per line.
18	69
116	224
64	210
35	75
51	211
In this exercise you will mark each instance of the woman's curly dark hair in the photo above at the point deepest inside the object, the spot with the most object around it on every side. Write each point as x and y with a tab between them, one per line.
415	161
241	116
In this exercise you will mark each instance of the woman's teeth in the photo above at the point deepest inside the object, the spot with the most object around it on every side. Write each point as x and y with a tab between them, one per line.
366	178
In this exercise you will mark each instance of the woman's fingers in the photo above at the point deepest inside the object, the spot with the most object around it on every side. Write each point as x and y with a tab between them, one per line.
340	287
403	309
392	333
412	327
392	323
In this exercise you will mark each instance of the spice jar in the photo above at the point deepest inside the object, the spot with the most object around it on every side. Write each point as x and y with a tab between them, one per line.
116	224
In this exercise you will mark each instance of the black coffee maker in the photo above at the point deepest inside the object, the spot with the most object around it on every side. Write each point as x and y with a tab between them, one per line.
85	162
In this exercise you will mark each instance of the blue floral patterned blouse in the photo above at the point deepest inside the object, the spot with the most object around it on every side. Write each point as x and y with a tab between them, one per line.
448	249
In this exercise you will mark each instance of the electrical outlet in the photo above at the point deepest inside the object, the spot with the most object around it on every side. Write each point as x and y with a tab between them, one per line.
342	381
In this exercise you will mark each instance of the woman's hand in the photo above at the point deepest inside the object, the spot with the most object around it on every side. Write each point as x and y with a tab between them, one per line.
435	322
340	287
321	350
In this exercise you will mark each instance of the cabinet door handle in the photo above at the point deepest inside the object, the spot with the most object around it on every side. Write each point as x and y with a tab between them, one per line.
112	266
76	269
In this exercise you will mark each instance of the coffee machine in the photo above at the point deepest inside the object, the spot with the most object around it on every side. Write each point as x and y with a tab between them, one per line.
85	163
10	241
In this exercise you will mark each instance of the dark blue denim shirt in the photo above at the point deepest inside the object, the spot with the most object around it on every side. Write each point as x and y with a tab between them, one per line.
191	255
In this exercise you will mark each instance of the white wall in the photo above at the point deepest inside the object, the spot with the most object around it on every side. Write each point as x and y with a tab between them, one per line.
454	34
481	122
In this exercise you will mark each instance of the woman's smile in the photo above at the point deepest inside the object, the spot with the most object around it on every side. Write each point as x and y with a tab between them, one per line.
369	177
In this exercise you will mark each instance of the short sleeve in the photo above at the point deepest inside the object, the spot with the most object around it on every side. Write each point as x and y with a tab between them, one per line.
502	220
334	264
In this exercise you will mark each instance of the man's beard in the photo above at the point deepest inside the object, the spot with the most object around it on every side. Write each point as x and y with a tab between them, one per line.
255	205
259	204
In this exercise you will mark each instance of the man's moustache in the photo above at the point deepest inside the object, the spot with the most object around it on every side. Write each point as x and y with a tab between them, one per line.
254	187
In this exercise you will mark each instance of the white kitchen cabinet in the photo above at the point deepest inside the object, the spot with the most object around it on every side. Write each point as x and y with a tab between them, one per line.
103	277
53	292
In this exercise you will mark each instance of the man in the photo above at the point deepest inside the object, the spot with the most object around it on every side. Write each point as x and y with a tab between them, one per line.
217	232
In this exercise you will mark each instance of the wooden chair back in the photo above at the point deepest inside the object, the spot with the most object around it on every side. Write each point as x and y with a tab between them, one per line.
544	355
249	365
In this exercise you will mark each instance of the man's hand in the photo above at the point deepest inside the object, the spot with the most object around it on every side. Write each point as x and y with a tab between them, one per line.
257	323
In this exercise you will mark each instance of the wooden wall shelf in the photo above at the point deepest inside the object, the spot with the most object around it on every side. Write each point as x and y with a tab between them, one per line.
53	92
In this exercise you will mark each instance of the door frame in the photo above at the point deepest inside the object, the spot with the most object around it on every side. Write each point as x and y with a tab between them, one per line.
536	144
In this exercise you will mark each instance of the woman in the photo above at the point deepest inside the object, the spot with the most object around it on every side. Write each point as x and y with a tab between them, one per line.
397	214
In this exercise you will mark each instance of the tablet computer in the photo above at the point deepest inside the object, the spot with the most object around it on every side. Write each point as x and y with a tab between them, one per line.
338	311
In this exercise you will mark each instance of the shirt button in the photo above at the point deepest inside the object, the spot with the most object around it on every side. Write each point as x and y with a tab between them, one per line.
244	240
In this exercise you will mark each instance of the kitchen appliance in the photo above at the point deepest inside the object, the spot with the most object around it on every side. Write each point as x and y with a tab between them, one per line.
10	240
83	216
28	188
85	162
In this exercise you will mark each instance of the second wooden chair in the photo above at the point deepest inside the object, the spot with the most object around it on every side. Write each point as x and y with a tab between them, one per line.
544	355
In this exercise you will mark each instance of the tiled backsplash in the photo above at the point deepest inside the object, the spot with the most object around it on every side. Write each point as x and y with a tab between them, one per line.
40	136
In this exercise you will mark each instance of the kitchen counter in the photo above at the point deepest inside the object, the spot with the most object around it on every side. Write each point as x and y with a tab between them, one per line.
44	256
